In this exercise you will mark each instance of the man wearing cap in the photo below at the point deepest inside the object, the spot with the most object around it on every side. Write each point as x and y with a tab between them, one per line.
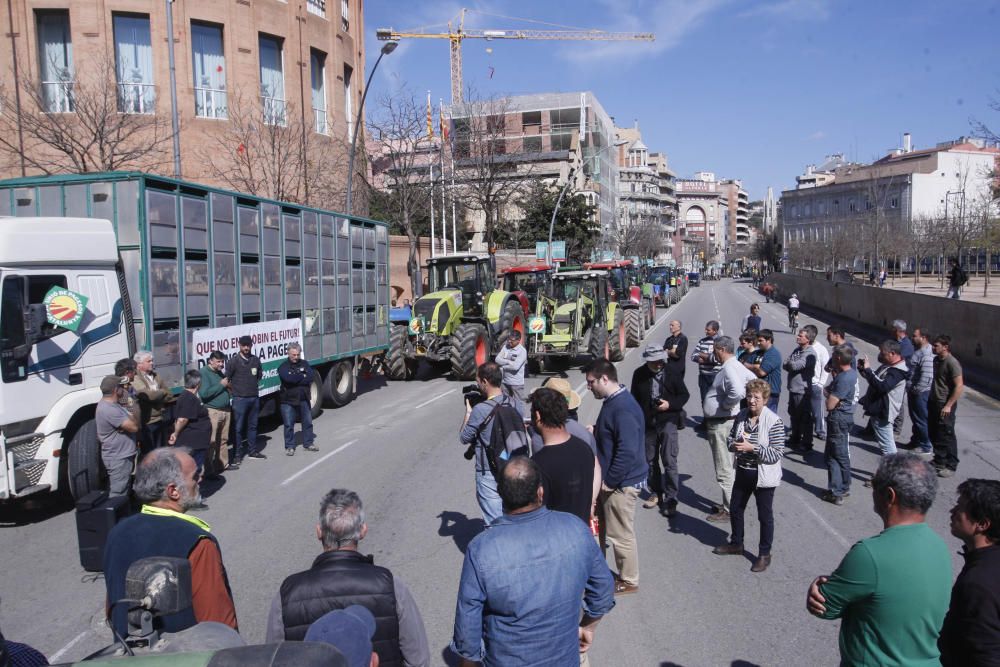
350	631
661	395
573	425
243	371
116	431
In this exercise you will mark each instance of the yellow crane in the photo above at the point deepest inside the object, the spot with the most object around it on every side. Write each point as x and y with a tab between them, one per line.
456	37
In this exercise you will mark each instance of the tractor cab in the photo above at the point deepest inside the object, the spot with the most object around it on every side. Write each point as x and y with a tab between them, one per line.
527	282
470	275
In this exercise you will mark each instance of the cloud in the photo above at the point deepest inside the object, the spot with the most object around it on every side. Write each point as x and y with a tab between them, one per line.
817	135
797	10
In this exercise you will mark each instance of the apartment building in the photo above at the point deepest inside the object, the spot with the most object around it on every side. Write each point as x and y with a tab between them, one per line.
737	202
703	219
646	190
288	60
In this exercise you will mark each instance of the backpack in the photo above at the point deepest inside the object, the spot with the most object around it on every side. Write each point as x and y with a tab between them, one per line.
507	439
962	276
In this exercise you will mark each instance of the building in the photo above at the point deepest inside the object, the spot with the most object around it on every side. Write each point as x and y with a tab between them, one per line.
284	62
646	191
703	218
737	203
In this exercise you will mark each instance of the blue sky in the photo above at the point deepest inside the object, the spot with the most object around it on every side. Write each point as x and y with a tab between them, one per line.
751	90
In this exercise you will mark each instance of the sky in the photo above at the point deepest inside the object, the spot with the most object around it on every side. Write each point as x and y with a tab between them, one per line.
751	90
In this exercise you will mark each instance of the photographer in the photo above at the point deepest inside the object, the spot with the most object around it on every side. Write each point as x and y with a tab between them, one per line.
884	398
476	431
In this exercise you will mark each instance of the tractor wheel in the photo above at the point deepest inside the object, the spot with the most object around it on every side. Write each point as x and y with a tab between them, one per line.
599	343
470	347
633	327
616	338
338	387
651	306
397	366
511	319
86	470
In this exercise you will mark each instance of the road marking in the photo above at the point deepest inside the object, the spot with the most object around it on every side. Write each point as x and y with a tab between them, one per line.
317	462
55	657
429	401
830	529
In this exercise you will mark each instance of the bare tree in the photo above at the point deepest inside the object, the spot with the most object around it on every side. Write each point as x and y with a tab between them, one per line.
86	125
918	240
642	237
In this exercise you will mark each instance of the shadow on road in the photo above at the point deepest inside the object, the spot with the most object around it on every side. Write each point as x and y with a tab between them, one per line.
34	510
795	479
460	528
734	663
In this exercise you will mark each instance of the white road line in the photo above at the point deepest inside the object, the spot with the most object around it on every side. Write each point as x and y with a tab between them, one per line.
429	401
317	462
55	657
830	529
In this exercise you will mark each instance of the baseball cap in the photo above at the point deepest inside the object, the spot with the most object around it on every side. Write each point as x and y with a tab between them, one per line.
349	630
109	382
564	388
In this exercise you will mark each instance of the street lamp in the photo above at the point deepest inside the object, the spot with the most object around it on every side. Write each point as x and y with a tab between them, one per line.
387	48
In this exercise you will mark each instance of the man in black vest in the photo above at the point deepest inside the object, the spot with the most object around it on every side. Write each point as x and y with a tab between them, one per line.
340	577
167	483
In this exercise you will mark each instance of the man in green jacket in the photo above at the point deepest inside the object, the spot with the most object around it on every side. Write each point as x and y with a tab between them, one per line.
214	393
891	590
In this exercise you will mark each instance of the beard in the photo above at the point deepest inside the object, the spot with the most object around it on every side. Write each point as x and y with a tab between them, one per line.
191	499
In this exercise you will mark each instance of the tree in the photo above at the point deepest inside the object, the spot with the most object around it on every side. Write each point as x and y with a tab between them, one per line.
81	126
918	240
643	237
574	221
768	251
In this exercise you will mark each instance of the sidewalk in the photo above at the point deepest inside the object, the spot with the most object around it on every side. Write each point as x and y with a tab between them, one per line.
931	286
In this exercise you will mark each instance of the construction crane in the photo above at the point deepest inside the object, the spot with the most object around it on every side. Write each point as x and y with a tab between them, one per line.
456	37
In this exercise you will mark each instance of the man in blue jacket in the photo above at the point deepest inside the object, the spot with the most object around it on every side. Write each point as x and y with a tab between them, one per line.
296	382
621	435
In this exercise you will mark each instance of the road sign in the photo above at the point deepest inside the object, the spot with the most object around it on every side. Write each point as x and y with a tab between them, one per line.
558	250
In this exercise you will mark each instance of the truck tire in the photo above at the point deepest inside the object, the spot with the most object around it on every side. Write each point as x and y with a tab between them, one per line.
633	327
470	347
316	396
86	470
338	386
598	346
616	338
511	319
397	366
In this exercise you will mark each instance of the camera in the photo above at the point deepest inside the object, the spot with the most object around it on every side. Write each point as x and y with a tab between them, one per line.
861	364
473	394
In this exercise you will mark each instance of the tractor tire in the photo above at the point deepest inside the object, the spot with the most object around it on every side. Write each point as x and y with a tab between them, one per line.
616	338
338	387
86	470
598	347
470	348
651	309
316	395
397	366
511	319
633	327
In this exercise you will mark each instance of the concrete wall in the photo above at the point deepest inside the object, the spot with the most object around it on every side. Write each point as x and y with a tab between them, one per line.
973	327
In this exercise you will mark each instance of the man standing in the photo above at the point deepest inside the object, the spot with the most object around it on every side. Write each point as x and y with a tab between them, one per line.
296	383
906	350
947	388
721	405
801	367
214	393
884	398
837	336
767	365
956	279
891	614
342	576
839	398
116	431
153	398
676	347
620	432
192	427
512	359
970	636
662	396
244	374
517	604
704	356
820	377
918	392
166	482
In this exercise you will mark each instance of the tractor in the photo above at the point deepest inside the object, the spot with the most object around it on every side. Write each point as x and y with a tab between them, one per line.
463	320
665	291
526	282
634	297
576	316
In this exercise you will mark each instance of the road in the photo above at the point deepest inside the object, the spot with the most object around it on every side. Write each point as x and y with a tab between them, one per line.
396	446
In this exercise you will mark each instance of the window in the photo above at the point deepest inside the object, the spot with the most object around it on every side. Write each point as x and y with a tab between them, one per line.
272	80
894	202
55	60
532	144
209	71
317	7
348	100
317	69
134	58
345	15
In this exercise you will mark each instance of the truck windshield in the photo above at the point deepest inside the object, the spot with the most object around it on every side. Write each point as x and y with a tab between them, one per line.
454	276
617	278
528	282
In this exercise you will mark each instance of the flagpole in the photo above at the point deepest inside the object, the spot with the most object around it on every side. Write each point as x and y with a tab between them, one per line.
444	209
430	135
433	242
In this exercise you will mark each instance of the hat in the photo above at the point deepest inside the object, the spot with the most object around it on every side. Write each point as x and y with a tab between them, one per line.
109	383
654	353
562	386
349	630
246	340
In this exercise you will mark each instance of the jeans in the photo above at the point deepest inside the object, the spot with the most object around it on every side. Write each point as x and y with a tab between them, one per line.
119	475
489	499
718	434
199	460
800	416
302	411
772	402
918	415
662	448
954	292
245	410
819	411
837	455
884	435
744	486
616	513
151	437
942	432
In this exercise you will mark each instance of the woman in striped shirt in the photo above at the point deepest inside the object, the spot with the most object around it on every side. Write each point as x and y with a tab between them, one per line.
758	439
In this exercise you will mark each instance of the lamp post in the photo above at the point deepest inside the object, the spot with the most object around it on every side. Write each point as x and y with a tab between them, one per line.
174	120
387	48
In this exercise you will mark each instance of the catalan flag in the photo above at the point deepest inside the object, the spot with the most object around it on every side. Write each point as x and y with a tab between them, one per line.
441	122
430	117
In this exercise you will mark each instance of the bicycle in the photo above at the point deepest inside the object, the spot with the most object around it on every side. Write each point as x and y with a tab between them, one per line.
793	319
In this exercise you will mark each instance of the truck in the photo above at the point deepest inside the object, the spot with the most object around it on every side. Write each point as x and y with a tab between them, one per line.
94	267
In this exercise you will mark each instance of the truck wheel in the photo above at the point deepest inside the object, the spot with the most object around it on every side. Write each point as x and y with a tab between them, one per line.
338	387
316	395
616	338
86	470
511	319
599	344
397	366
470	347
633	327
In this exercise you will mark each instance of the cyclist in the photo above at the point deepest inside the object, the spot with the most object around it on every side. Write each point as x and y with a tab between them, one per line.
793	311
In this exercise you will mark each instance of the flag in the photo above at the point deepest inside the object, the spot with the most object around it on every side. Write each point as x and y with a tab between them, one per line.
441	124
430	117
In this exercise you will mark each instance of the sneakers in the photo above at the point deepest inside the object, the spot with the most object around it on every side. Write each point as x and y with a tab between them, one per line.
669	509
924	456
728	550
652	501
621	588
234	465
832	498
719	517
761	563
256	455
945	472
310	448
289	451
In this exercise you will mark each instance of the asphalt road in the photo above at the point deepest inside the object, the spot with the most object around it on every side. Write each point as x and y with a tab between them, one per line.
396	446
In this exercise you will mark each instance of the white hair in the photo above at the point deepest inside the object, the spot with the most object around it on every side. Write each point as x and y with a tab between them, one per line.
141	356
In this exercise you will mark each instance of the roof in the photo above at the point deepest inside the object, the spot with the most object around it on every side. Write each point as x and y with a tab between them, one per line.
460	257
528	268
618	263
58	241
563	275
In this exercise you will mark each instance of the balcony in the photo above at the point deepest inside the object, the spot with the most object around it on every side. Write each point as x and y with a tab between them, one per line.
58	96
317	7
322	124
210	103
137	97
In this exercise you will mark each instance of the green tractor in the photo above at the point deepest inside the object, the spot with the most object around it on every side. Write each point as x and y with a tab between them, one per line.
463	320
633	294
576	316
